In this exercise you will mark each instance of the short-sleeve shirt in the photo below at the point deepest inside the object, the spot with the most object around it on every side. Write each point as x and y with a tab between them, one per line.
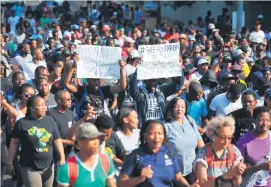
36	137
254	150
95	176
222	106
215	172
189	136
196	109
51	102
164	165
96	99
130	143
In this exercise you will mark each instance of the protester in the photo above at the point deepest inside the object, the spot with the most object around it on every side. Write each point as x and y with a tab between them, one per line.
151	99
220	156
36	157
256	149
244	116
128	132
139	168
88	167
182	128
135	69
226	103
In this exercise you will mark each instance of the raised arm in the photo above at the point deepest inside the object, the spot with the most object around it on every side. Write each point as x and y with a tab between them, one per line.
123	82
67	80
133	88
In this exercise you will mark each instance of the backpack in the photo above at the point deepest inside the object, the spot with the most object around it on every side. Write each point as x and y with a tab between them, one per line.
210	158
79	104
73	167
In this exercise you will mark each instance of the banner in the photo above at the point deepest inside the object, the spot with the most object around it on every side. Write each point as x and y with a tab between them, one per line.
98	62
159	61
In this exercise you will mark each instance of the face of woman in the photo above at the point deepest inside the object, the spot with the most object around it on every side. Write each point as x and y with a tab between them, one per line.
223	136
39	107
19	80
89	145
263	123
179	109
155	136
132	120
28	92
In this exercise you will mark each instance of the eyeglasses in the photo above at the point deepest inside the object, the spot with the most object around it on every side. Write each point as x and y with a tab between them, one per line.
26	95
224	138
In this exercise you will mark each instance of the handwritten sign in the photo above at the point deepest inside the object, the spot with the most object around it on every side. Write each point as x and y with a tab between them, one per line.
98	62
159	61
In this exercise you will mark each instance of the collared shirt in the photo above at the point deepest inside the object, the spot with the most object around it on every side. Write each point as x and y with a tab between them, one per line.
189	135
164	165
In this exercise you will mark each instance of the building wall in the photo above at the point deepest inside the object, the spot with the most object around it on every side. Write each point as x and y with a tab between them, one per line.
185	13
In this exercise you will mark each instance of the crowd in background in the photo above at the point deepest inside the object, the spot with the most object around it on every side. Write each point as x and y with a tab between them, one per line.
207	127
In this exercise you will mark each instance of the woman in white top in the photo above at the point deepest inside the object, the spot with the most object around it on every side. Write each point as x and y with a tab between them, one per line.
128	132
18	111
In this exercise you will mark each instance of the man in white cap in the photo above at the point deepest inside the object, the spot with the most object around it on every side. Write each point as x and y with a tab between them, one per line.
203	66
89	167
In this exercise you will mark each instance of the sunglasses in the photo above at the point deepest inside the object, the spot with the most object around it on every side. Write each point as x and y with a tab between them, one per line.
224	138
28	95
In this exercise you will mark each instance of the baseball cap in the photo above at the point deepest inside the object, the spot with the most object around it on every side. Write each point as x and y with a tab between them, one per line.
87	130
238	52
191	38
228	76
227	56
134	54
260	16
203	61
211	26
263	82
106	28
129	40
59	46
93	27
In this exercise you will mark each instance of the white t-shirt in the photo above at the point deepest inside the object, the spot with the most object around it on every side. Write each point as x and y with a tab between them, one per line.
195	75
13	21
257	36
18	60
223	106
130	143
29	69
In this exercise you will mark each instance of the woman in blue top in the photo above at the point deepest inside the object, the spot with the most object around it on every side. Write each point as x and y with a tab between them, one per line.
183	136
152	164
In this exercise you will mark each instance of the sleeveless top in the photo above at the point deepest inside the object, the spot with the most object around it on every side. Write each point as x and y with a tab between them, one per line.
20	113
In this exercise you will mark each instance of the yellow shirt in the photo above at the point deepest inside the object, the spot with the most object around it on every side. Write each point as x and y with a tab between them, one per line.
246	70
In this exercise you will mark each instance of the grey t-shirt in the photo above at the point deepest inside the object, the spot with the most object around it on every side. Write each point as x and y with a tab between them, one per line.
51	102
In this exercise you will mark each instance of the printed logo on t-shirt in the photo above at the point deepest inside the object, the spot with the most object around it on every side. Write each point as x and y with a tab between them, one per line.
154	111
168	161
43	136
70	124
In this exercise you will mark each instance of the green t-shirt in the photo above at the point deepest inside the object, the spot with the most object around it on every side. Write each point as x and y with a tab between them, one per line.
86	176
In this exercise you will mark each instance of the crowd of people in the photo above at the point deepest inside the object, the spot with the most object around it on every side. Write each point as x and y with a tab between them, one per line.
207	127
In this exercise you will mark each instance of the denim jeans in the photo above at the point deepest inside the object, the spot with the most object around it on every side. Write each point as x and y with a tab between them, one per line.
33	178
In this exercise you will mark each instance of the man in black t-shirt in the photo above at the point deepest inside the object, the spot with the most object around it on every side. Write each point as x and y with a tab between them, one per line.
244	121
93	94
63	117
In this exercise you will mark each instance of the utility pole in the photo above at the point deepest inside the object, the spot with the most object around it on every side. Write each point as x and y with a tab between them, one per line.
240	9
